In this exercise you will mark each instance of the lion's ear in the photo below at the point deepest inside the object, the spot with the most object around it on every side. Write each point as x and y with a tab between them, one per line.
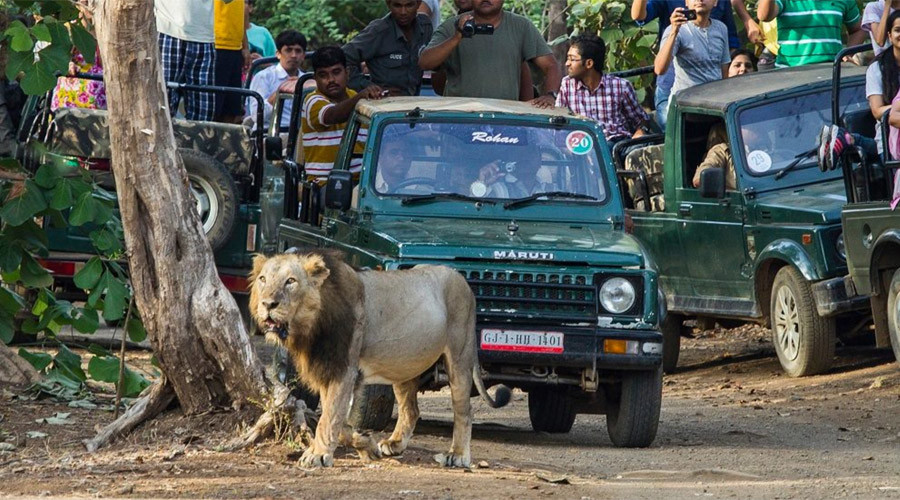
315	269
259	260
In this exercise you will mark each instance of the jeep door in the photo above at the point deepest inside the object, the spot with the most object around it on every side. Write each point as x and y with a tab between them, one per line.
712	232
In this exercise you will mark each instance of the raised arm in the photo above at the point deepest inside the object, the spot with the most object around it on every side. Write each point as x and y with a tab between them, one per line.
766	10
340	112
753	31
667	49
433	56
639	10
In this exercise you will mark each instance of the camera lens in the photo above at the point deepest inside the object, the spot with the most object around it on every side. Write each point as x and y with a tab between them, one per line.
468	28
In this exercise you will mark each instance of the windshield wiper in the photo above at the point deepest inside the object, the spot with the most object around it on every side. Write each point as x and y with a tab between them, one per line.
409	200
797	159
548	195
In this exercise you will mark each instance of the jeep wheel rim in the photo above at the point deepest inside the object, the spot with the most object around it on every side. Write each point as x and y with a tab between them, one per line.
787	323
207	203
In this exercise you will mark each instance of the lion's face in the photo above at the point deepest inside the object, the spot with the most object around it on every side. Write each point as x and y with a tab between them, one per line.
285	292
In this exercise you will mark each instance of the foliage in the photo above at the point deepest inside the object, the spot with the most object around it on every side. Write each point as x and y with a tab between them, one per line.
58	192
323	22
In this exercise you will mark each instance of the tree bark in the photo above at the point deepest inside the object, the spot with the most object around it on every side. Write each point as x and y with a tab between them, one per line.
192	321
556	15
14	369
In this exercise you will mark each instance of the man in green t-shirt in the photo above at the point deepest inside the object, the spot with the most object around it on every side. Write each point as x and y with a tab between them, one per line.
490	65
809	31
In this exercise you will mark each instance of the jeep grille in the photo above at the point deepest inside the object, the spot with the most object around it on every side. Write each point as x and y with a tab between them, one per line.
534	296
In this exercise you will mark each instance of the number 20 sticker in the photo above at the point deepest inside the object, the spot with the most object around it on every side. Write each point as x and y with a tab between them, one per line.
579	142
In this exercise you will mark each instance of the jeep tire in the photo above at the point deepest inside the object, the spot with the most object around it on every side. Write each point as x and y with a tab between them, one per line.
804	341
551	409
215	195
372	407
632	420
286	373
893	313
672	327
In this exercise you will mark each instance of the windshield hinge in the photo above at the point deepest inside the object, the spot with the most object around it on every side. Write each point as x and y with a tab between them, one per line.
750	192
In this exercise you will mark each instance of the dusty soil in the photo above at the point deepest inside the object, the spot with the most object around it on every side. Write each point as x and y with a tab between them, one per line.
732	425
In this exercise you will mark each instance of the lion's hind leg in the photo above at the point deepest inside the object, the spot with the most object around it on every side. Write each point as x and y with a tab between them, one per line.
407	416
361	442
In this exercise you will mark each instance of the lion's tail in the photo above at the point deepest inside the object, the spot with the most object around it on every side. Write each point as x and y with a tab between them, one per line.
501	396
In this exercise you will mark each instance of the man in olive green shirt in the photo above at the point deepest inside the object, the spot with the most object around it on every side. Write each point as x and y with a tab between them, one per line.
390	48
490	65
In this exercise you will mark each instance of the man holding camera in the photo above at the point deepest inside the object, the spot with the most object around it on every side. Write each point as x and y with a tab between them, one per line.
698	43
482	53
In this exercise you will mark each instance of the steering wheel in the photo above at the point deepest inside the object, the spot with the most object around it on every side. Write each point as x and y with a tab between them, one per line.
413	181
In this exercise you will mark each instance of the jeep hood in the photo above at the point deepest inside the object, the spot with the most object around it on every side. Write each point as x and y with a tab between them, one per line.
814	204
493	240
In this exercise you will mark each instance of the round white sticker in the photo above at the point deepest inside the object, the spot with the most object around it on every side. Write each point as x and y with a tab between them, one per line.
478	189
759	161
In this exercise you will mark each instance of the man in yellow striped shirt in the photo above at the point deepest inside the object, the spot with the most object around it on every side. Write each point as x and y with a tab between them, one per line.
326	112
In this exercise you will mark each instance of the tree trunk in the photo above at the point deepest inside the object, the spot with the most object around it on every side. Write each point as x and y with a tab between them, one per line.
192	321
556	14
14	369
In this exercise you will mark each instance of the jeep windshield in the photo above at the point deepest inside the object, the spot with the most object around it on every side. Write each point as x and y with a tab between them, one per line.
469	161
778	132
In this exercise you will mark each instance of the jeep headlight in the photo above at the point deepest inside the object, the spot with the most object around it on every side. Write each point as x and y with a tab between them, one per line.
617	295
839	246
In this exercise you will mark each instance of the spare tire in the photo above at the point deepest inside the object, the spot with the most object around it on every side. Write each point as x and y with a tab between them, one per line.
215	193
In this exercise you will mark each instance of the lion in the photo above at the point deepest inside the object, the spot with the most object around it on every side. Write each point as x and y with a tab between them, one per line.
345	328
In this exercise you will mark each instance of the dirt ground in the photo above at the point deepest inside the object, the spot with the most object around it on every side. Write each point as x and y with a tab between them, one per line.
732	425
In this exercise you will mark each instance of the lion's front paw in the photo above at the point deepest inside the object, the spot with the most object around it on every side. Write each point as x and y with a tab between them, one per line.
453	460
312	458
391	447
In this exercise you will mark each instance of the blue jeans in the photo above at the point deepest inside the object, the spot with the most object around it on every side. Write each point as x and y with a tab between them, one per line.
661	99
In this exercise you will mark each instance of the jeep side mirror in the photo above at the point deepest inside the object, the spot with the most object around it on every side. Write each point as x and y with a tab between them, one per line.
339	190
712	183
274	147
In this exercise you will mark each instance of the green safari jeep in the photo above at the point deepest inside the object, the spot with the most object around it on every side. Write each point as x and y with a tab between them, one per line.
231	178
769	247
871	225
523	202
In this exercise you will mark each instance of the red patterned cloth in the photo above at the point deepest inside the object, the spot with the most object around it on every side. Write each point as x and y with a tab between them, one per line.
613	103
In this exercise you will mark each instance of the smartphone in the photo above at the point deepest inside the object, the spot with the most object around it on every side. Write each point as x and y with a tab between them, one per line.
689	14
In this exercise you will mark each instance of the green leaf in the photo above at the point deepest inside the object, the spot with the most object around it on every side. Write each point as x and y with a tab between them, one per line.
69	364
43	301
20	37
134	383
22	208
104	368
18	62
41	32
7	328
33	274
99	350
10	165
97	291
84	211
116	299
11	302
61	197
105	241
89	275
135	328
10	255
84	41
86	320
47	176
29	235
39	360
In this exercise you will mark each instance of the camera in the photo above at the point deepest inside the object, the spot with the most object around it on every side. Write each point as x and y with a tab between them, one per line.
689	14
470	29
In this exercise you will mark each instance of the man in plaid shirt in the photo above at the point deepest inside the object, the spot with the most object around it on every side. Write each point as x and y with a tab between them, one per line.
608	99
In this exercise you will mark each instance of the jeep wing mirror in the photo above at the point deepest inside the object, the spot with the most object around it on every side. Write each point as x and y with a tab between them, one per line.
712	183
339	190
274	147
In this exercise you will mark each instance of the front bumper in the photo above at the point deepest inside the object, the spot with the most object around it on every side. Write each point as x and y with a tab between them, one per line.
835	296
582	349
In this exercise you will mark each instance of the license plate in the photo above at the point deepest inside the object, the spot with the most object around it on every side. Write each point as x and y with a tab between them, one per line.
522	341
